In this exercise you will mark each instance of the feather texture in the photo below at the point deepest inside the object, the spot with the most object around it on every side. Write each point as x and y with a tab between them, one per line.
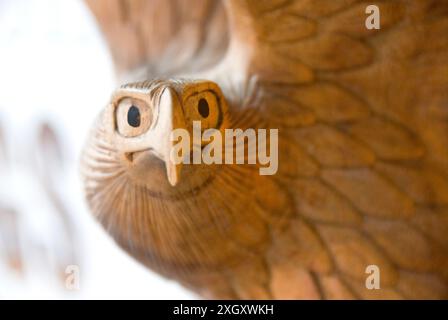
363	174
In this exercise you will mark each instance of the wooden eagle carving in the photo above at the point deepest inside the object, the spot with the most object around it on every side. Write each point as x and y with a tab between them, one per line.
362	119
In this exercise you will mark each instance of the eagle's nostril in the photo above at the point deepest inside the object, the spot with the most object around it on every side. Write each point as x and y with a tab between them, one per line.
129	156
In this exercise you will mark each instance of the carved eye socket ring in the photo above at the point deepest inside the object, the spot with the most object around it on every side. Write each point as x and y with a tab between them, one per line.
133	117
202	106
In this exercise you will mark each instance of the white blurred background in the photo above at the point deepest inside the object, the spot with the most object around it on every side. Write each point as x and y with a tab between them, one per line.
55	76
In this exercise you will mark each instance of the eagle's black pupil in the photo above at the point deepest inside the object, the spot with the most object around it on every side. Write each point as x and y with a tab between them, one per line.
203	108
134	117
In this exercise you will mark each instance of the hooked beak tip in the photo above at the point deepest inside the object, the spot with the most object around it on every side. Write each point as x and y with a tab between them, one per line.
173	180
173	173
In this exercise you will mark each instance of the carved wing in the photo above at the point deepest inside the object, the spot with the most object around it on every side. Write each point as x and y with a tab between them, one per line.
363	118
162	37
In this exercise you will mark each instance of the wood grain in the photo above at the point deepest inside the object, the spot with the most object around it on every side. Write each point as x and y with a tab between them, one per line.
363	176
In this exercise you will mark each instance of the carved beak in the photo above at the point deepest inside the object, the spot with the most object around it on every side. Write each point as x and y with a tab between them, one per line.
158	140
170	118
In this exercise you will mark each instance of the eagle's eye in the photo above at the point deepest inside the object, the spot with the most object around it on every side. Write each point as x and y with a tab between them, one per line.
133	117
204	107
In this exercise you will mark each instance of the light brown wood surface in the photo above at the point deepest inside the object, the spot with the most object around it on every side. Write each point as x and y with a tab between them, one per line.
363	148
